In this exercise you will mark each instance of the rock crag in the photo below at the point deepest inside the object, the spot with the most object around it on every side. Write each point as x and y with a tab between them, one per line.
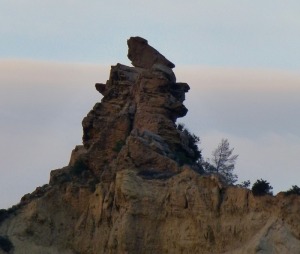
132	187
143	55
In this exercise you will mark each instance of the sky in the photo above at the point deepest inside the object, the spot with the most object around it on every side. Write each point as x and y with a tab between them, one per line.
240	58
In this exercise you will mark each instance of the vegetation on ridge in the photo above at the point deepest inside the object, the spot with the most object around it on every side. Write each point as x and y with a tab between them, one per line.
5	244
294	190
262	187
222	163
192	143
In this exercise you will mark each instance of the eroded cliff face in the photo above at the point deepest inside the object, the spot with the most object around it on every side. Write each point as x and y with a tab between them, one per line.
128	188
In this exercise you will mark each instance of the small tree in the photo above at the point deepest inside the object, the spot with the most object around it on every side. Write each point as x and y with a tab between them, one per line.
245	184
294	190
262	187
223	162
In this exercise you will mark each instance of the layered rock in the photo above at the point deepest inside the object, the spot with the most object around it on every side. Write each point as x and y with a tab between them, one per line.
128	190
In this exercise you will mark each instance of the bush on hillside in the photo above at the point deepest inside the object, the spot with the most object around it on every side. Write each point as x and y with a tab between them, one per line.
262	187
193	142
5	244
294	190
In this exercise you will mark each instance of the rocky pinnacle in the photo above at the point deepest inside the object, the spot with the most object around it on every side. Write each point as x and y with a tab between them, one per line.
130	188
134	125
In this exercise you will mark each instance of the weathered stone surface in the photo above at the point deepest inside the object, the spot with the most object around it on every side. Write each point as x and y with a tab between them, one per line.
100	88
136	101
125	190
185	213
143	55
165	70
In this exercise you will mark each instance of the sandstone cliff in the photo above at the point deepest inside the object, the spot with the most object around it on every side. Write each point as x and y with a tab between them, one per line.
131	187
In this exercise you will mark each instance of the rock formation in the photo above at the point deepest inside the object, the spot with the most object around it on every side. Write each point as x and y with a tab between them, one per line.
132	187
143	55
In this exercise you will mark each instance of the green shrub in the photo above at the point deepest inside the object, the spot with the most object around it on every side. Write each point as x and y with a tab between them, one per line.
183	159
193	142
78	167
3	214
5	244
294	190
261	187
244	184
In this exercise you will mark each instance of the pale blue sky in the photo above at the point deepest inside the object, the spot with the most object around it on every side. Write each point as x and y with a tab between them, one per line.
208	32
239	57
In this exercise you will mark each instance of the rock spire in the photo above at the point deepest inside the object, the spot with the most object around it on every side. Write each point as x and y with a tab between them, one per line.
134	125
130	188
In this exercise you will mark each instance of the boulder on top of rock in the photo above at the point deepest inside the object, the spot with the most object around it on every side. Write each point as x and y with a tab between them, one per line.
143	55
